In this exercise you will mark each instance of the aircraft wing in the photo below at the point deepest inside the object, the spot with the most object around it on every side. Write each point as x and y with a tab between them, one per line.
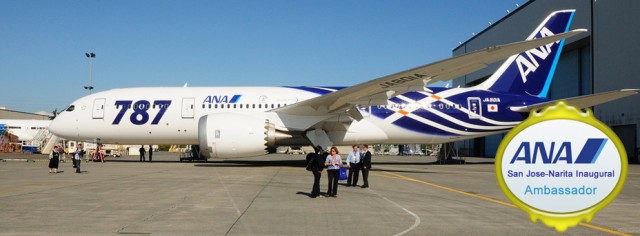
583	101
378	91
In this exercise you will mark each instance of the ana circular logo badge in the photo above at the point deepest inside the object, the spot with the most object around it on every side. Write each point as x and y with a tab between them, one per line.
561	165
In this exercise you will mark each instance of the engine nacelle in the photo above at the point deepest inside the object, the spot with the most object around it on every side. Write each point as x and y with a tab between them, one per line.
230	135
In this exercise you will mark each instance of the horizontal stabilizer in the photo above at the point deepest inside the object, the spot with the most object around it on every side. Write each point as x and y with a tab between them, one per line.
583	101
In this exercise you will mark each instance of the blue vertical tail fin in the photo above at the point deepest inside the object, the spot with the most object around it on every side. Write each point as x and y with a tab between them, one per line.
531	72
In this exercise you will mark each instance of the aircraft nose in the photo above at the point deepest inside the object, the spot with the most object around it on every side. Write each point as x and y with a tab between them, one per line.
54	127
59	128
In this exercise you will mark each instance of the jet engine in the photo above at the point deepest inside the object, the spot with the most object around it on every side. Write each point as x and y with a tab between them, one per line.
230	135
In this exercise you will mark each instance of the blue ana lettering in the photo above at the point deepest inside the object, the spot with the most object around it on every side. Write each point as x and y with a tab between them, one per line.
588	155
524	153
222	99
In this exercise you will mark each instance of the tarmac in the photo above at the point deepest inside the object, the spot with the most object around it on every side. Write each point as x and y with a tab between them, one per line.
269	195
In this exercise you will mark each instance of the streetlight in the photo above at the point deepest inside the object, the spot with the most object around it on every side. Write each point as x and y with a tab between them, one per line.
90	55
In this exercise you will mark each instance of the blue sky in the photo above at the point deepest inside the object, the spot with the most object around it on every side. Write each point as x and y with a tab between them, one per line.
221	43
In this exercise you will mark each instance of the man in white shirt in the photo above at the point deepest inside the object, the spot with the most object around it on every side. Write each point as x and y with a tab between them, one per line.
353	164
77	157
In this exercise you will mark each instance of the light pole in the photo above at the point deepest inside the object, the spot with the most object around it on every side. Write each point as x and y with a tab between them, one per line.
90	55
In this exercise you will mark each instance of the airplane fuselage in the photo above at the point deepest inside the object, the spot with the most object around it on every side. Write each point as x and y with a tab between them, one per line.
166	115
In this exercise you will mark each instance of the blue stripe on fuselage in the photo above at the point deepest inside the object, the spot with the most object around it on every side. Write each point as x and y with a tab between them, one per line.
316	90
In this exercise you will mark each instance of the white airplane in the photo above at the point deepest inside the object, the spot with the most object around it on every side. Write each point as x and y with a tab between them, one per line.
25	130
229	122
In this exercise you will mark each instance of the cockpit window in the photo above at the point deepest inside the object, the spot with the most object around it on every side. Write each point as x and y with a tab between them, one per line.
71	108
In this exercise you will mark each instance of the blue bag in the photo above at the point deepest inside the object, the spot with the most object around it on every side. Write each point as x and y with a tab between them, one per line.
343	173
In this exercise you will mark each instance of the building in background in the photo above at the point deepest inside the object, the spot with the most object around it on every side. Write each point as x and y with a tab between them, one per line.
9	114
600	60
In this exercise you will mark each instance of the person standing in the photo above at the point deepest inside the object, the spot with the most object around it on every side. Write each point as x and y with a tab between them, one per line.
54	160
316	166
366	165
77	157
62	153
150	153
142	151
322	153
333	164
100	153
353	164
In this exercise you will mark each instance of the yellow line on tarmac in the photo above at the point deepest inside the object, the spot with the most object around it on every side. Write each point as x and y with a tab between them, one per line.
492	200
451	189
603	229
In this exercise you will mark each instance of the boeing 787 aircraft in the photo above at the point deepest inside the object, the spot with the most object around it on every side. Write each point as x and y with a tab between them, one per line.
229	122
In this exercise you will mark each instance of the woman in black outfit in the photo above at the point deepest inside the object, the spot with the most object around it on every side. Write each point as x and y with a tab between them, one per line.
54	160
316	165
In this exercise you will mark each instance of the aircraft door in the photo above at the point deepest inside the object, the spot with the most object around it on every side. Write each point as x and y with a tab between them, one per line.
188	108
98	108
474	107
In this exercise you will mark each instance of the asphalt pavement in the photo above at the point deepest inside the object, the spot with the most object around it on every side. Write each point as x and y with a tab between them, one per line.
269	195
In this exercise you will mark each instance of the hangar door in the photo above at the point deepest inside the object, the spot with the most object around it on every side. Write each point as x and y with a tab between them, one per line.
627	134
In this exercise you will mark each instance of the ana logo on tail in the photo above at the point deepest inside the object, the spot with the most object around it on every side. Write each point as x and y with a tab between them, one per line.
529	63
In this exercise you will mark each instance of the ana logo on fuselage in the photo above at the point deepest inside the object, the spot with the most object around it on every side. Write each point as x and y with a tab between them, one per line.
529	63
222	99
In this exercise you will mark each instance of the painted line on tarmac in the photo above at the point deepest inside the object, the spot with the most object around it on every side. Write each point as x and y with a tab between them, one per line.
226	190
416	222
493	200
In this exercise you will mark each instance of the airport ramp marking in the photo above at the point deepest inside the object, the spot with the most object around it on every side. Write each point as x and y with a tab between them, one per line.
402	177
416	222
252	201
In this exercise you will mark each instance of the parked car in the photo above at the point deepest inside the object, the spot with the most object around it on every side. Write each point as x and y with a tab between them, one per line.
113	153
282	149
295	150
428	152
31	149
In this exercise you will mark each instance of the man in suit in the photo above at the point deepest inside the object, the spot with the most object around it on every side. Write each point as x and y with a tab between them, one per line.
142	151
150	153
366	165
